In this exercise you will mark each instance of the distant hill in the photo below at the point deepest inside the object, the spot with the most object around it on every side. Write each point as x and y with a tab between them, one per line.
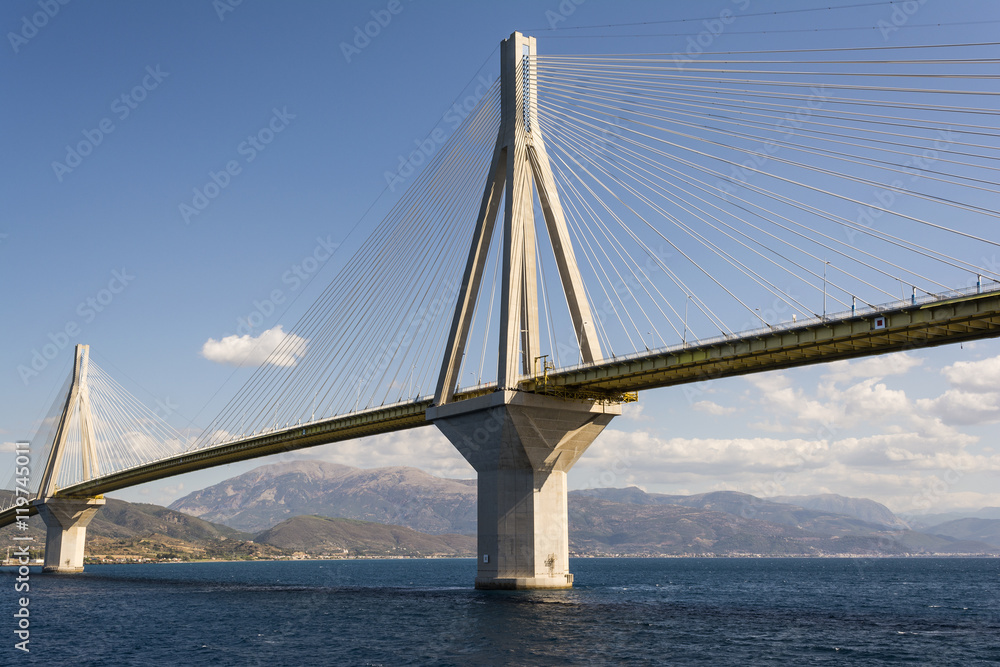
121	520
860	508
409	497
132	530
604	526
599	526
123	530
927	521
403	496
601	521
982	530
746	506
325	536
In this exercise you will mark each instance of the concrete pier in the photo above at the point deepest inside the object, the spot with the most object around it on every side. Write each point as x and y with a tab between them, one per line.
522	445
66	521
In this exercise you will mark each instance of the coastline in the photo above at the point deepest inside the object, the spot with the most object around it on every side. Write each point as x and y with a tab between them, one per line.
869	556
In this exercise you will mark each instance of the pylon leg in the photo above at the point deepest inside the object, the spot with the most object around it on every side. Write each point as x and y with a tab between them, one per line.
66	521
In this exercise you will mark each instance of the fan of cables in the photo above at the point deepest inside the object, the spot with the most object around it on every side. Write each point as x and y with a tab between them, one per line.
745	189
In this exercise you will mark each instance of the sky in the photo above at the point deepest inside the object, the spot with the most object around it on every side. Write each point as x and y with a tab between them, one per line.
120	118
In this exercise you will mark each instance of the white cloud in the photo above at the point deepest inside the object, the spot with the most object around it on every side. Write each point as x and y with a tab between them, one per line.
974	376
959	407
162	495
933	427
917	505
705	456
713	408
775	393
899	363
634	411
871	399
786	408
899	469
425	448
249	351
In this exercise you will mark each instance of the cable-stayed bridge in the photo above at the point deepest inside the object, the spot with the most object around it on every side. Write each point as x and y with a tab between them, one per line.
663	221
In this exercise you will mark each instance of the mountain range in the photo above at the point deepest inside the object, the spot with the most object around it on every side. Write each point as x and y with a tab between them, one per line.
929	520
982	530
323	536
317	509
265	496
129	531
123	531
602	521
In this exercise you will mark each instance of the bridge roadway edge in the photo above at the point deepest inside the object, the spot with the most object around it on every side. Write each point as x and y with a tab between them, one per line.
908	328
912	327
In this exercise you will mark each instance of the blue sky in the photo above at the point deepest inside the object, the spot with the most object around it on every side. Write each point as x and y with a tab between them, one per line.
107	245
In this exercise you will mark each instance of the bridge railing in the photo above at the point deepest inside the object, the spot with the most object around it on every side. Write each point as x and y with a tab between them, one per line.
9	500
305	424
863	311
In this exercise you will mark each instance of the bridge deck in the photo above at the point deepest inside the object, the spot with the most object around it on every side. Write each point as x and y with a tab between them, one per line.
912	326
905	327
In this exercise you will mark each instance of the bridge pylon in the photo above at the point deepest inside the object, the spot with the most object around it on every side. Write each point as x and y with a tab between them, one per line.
521	444
66	519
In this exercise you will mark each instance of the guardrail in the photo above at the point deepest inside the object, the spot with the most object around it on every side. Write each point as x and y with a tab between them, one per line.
866	311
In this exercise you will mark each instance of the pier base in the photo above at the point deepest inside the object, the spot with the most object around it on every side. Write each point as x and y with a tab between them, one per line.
522	446
66	521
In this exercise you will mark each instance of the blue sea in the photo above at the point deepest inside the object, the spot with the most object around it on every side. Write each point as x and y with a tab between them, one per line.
628	611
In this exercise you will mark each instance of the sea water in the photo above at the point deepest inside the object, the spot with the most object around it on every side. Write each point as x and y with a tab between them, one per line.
626	611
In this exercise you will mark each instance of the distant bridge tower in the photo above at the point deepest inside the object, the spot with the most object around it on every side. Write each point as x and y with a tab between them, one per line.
521	444
66	519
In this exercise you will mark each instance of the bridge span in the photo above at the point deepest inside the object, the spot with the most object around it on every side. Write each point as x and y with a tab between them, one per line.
962	316
597	147
948	319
